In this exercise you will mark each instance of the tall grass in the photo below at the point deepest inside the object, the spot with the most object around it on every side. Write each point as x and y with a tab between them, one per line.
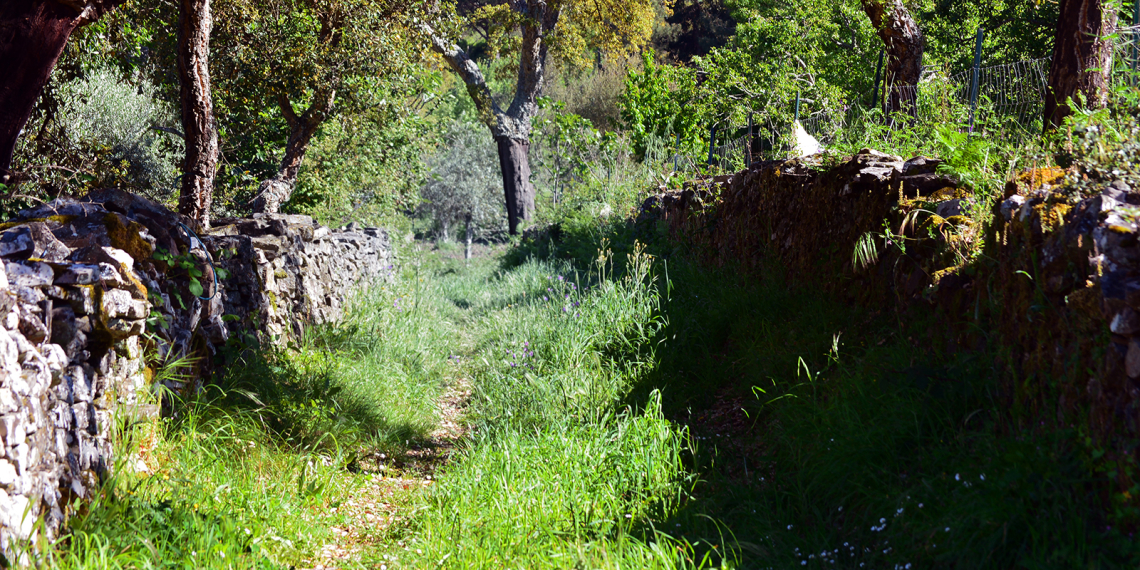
251	472
560	473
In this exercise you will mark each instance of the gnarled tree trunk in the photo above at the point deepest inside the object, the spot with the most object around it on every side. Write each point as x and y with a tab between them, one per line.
194	25
510	128
515	165
905	44
32	36
1082	57
276	191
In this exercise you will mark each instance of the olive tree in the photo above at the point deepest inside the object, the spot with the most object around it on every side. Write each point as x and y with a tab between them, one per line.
574	31
33	34
302	62
463	184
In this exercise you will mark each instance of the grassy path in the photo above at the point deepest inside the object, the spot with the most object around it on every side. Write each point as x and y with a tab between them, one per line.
617	412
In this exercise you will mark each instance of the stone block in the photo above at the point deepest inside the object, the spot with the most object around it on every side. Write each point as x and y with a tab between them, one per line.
28	273
79	274
118	304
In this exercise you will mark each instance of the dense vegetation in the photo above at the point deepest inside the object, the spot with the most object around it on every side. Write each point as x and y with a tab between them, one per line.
611	401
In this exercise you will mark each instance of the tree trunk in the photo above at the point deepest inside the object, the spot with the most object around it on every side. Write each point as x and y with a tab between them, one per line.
33	34
514	163
470	231
194	25
276	191
905	44
1082	57
510	128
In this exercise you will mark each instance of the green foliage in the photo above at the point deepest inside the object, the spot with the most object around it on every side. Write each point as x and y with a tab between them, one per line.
101	129
465	182
364	168
656	104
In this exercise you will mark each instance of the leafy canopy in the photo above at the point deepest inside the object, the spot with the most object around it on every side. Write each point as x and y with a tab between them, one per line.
585	28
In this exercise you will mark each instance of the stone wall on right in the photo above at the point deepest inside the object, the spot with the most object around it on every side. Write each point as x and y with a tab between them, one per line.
1046	279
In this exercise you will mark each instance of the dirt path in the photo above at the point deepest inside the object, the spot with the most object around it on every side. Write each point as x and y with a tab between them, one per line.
387	488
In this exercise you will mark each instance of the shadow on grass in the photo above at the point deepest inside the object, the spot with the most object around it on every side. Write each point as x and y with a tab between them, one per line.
827	436
308	407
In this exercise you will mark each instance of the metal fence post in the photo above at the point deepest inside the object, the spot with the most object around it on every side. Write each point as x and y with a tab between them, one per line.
712	141
878	75
748	147
1135	37
797	106
974	82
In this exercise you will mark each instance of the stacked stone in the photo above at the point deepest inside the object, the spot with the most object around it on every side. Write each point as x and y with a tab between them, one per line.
287	271
72	309
80	281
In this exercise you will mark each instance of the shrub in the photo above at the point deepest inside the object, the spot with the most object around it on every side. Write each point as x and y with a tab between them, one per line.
107	116
465	183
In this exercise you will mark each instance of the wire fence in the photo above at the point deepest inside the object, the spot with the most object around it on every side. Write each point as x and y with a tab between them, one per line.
1004	101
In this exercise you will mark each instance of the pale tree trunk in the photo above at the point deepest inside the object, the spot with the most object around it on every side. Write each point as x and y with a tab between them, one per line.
276	191
510	128
467	241
194	25
32	36
1082	57
905	45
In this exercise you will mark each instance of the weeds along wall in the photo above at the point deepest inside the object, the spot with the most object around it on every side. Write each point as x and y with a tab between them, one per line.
98	294
1046	279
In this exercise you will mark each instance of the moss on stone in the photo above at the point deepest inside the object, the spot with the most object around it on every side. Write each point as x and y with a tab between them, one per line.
56	219
127	236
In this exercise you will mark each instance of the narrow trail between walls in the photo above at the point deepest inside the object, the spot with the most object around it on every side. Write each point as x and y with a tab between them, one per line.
617	411
370	510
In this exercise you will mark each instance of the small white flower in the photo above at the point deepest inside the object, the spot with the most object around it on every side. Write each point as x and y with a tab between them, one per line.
956	477
789	527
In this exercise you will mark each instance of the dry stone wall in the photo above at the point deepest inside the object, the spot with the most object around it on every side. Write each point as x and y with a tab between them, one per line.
1053	290
83	280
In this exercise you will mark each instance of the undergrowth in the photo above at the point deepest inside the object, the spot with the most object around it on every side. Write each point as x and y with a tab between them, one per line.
250	473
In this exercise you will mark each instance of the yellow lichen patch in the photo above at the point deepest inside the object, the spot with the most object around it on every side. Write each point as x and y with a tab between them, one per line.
58	219
1052	216
126	235
1035	178
960	220
937	276
934	221
947	193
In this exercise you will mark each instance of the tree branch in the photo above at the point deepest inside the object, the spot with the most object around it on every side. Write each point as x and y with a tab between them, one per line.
472	76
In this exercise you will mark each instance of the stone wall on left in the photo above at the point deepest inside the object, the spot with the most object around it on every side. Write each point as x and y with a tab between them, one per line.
96	292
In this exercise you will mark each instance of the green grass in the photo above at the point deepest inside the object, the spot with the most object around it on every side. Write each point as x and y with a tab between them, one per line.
249	473
562	471
626	412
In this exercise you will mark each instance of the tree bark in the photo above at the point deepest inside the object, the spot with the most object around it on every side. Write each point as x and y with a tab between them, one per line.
33	34
276	191
515	166
1082	57
905	45
194	26
470	232
510	128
